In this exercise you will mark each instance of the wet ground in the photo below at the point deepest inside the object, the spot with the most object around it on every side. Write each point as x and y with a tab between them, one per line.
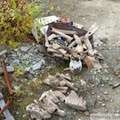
98	84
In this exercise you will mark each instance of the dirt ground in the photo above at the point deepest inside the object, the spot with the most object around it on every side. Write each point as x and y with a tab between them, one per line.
107	14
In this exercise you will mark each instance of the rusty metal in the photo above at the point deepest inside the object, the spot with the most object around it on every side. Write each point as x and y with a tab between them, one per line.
9	85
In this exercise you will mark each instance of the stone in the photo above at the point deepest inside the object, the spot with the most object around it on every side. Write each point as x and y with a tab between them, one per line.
35	66
9	69
102	85
103	104
40	48
16	61
3	52
25	48
91	102
93	93
87	113
105	93
38	65
117	111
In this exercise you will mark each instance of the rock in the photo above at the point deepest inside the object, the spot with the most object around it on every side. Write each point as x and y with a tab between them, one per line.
87	113
103	104
105	93
35	66
38	65
16	61
40	48
102	85
3	52
117	111
91	102
24	48
9	69
93	92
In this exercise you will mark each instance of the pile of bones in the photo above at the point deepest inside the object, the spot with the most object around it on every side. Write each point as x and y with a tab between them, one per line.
70	42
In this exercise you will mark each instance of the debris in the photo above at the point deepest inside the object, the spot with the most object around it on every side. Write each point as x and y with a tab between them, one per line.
64	38
68	38
55	96
59	81
46	106
75	102
73	42
36	112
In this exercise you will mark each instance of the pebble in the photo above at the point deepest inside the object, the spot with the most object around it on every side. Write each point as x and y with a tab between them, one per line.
24	48
110	83
93	85
24	115
38	65
112	100
3	52
16	87
102	85
87	113
103	104
93	93
105	93
40	48
60	119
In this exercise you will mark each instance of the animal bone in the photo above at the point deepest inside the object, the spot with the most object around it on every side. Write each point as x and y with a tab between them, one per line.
59	81
62	35
70	32
36	112
52	107
73	101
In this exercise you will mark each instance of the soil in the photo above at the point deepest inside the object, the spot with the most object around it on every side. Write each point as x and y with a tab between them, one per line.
107	14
